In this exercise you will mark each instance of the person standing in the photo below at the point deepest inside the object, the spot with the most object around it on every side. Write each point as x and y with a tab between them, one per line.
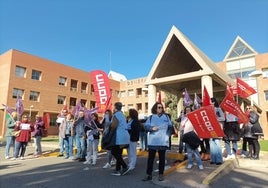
122	140
106	122
215	143
37	135
80	136
188	127
93	137
59	120
66	131
158	125
254	131
10	140
134	131
24	137
232	135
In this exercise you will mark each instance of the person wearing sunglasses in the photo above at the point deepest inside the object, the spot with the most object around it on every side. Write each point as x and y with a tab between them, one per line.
158	125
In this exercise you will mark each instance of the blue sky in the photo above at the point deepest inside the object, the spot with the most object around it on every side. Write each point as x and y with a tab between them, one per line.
126	36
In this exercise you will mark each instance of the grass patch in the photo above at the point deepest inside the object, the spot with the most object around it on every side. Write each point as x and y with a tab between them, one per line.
51	139
264	145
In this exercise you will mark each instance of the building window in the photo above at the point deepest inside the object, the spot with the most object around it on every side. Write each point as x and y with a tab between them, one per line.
117	93
17	92
130	106
61	99
20	71
83	87
266	95
72	101
130	92
83	102
123	93
91	89
74	85
139	92
36	75
34	96
62	81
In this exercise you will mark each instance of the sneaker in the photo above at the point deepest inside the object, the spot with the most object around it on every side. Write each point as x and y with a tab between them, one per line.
161	177
21	158
201	167
66	157
113	162
7	157
147	178
13	159
107	165
116	173
125	171
189	166
87	162
94	163
243	156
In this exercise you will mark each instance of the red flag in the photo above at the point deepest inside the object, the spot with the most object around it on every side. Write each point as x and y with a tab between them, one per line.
108	104
229	90
159	97
205	122
101	86
228	104
243	89
46	120
206	97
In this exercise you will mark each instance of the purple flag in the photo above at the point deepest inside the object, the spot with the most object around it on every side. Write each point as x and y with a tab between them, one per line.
187	101
19	105
197	102
88	113
76	110
8	109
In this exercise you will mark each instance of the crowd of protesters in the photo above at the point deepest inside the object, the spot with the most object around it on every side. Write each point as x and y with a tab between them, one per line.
151	134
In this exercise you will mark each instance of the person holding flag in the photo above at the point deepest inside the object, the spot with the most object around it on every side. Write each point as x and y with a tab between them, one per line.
10	139
215	143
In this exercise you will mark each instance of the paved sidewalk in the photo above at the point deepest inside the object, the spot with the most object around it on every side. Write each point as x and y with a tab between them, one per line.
176	174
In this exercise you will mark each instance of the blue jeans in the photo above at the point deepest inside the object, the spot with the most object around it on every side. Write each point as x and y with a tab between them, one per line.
68	143
228	147
61	145
215	150
10	140
81	146
37	143
143	141
190	153
18	146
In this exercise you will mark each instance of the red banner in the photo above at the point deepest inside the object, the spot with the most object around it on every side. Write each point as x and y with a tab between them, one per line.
101	86
206	97
243	89
228	104
46	120
205	122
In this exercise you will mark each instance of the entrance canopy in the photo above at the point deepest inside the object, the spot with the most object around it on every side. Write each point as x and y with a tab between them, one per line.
180	64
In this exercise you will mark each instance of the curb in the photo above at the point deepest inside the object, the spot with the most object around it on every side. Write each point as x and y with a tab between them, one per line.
223	169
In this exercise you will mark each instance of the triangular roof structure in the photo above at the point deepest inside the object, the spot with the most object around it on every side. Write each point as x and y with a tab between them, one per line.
116	76
180	64
239	49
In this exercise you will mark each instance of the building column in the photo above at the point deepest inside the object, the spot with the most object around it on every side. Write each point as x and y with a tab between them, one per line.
207	81
151	97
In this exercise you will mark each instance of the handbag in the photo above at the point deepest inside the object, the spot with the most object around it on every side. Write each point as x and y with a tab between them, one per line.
15	133
108	139
44	132
192	139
